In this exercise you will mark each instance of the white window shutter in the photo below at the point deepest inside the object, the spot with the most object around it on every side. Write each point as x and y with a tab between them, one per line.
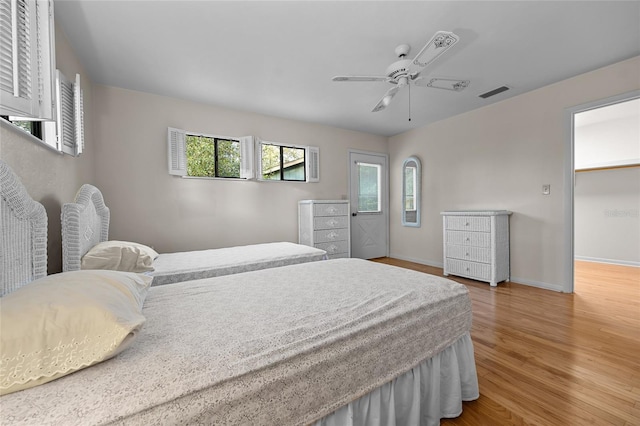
247	157
177	152
78	112
258	157
65	114
46	59
312	163
27	59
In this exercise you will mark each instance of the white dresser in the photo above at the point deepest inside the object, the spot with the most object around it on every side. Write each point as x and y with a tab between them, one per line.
476	244
325	224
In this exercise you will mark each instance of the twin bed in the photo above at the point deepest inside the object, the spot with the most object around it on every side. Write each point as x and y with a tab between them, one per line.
334	342
85	224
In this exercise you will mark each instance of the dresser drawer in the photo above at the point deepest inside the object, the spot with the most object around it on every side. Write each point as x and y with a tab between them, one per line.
481	271
475	254
468	223
328	235
462	238
334	247
323	209
330	222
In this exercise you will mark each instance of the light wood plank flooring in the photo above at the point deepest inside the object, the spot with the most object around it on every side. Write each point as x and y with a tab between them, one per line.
549	358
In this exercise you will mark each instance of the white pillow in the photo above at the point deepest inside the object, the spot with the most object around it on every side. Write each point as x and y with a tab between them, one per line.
65	322
120	256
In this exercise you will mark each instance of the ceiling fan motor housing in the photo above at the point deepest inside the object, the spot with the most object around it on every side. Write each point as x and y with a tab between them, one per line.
398	69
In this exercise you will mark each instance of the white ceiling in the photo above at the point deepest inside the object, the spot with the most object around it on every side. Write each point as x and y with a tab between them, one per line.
278	58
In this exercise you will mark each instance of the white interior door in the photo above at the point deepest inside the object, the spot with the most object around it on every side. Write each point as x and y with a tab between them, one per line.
369	199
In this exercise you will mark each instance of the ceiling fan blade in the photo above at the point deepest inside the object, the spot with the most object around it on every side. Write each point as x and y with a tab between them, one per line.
358	78
442	83
386	99
439	43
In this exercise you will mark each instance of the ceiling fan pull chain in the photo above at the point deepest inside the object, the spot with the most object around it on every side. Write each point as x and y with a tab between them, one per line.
409	85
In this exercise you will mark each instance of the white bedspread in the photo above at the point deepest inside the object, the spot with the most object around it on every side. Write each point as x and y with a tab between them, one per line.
280	346
193	265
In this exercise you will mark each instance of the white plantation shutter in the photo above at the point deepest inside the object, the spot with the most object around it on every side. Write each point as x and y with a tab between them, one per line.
78	115
27	59
66	134
177	152
247	157
258	157
65	114
312	163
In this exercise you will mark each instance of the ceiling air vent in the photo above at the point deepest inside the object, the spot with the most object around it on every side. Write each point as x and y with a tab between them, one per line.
494	92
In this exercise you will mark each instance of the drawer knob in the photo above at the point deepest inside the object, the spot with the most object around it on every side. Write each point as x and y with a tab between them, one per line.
467	239
466	224
332	235
467	254
332	248
467	269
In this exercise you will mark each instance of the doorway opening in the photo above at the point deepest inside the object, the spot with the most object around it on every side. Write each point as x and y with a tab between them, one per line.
602	177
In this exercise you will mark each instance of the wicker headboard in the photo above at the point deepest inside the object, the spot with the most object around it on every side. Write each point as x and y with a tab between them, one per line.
23	231
85	223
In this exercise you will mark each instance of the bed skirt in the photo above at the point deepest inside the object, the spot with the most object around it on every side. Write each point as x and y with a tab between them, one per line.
422	396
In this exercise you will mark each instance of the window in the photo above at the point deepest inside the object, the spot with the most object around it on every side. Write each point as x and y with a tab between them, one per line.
32	127
280	162
196	155
288	163
369	188
27	59
212	157
66	133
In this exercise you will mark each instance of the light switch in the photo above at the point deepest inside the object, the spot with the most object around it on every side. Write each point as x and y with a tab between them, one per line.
546	189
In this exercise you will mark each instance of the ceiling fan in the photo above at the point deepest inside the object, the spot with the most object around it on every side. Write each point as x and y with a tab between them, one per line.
404	72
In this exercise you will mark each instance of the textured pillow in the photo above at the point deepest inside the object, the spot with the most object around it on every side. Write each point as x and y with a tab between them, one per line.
120	256
65	322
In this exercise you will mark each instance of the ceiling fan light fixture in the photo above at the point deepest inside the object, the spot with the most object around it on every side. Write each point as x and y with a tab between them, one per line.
386	100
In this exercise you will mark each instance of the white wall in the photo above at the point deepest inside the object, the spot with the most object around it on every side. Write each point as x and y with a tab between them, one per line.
607	216
610	142
51	178
175	214
498	157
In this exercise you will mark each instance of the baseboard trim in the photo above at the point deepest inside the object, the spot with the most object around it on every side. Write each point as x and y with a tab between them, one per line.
539	284
516	280
608	261
420	261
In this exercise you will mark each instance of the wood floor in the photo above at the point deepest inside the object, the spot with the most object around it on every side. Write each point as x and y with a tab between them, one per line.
549	358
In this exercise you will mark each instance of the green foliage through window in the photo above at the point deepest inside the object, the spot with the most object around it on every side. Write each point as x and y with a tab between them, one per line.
212	157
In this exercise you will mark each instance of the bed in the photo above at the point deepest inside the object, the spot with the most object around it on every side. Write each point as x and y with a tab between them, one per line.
85	225
339	342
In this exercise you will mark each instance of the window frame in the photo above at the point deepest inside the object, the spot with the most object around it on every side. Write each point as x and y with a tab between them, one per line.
36	126
379	196
215	139
29	136
177	154
282	146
